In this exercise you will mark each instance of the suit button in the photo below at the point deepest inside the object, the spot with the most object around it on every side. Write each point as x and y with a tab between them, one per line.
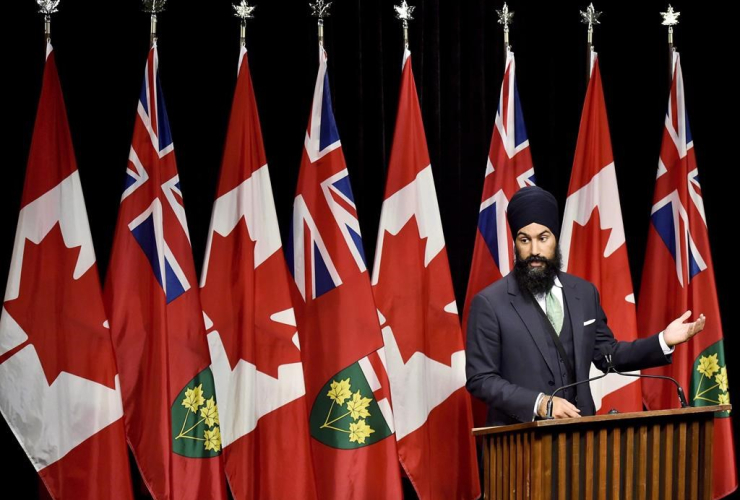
550	383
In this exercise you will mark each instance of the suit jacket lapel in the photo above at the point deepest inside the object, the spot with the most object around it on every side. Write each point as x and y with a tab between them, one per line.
524	306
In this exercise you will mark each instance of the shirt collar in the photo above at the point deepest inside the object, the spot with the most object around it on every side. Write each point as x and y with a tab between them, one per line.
557	282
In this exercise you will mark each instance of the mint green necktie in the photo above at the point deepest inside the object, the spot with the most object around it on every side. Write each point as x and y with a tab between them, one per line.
554	311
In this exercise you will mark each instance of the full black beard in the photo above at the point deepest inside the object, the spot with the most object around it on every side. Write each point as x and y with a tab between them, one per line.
537	280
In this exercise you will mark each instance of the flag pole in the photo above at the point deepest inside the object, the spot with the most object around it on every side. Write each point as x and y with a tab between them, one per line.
403	12
243	11
590	17
153	7
670	19
504	18
47	8
320	9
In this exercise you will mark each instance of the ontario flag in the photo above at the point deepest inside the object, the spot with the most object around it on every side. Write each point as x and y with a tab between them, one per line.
593	243
509	168
255	353
350	418
169	397
678	275
420	324
59	387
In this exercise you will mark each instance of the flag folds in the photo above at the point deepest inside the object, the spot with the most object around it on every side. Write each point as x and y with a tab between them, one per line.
592	240
256	360
420	324
679	275
508	169
349	400
169	395
59	387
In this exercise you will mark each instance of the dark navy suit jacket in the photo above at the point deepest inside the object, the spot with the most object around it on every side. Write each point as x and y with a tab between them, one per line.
509	362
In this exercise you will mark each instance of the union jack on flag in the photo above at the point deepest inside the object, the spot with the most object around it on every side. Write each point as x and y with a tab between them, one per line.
151	108
338	201
678	192
338	193
508	169
148	227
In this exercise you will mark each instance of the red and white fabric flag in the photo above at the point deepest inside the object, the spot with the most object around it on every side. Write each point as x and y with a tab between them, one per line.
419	319
256	359
593	243
59	387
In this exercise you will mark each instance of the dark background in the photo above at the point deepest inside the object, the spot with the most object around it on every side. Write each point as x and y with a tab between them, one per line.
458	61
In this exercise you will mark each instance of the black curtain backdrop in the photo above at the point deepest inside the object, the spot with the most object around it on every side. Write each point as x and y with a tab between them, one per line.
458	61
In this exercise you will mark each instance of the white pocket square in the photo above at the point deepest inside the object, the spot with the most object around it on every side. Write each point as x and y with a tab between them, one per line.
586	323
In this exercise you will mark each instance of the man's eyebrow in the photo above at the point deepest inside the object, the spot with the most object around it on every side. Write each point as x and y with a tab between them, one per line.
522	233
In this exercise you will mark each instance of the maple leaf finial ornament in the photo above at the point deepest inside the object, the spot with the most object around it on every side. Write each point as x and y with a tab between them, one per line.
590	16
320	9
243	11
153	7
670	19
47	8
504	18
403	12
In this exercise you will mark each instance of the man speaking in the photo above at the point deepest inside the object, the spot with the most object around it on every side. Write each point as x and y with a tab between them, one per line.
540	328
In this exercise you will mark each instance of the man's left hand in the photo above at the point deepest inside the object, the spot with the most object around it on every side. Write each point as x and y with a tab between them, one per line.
678	332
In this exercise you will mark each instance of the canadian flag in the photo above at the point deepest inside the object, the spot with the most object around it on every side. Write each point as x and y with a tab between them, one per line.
255	355
59	388
593	244
419	319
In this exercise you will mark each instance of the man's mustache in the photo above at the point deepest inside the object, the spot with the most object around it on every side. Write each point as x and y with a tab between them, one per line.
536	258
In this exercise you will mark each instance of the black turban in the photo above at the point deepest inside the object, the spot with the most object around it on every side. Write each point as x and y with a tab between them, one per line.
533	204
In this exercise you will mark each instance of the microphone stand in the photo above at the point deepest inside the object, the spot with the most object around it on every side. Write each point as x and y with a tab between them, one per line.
611	369
548	415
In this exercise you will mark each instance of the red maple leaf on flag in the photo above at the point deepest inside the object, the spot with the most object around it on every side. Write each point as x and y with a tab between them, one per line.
266	354
414	310
59	319
603	272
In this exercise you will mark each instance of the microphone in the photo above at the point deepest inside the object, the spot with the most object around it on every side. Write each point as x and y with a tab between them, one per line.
548	415
607	351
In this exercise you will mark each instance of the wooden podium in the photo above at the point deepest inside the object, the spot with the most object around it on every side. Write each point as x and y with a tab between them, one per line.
642	455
